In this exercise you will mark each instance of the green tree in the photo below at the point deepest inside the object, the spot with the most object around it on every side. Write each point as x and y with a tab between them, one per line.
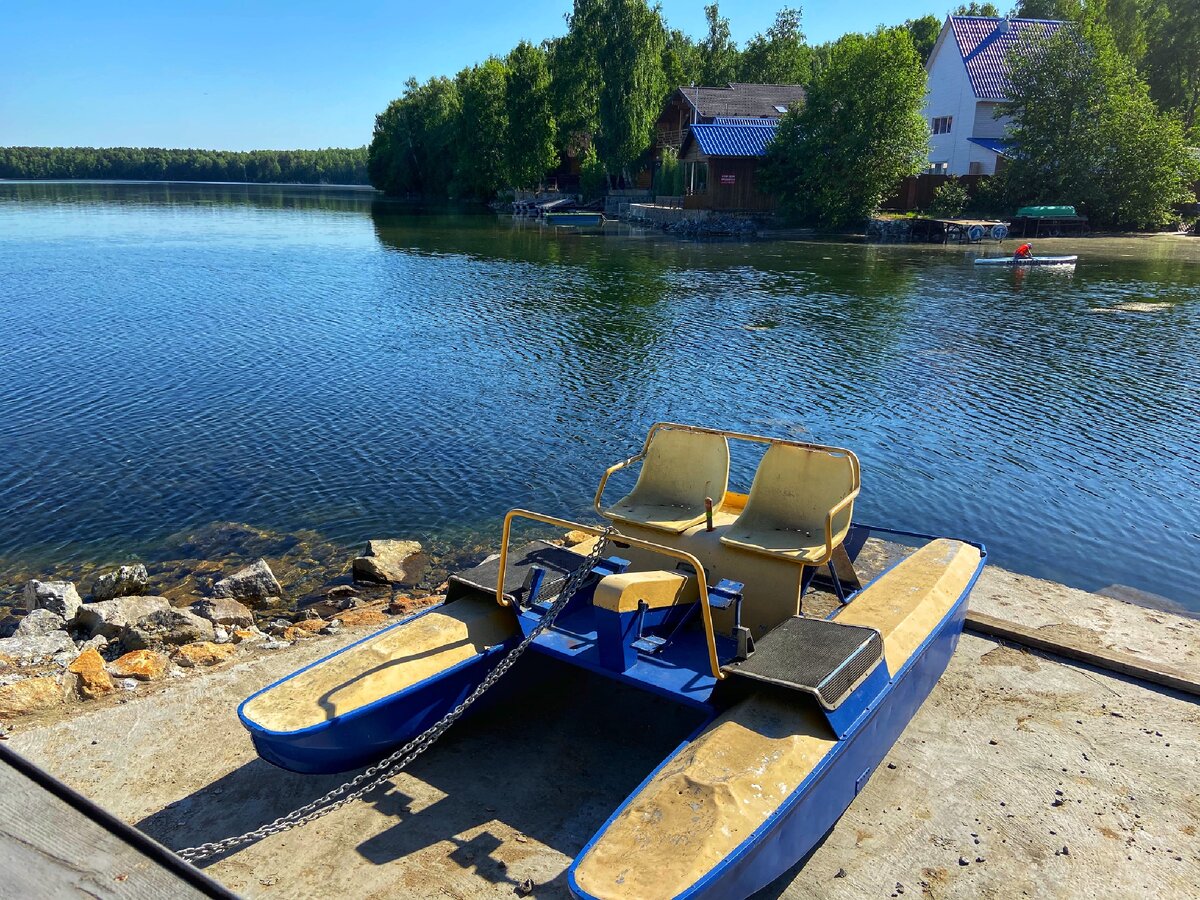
592	177
414	146
719	55
1087	132
924	33
780	56
1127	19
575	76
859	132
1172	59
532	133
976	9
483	132
1062	10
681	60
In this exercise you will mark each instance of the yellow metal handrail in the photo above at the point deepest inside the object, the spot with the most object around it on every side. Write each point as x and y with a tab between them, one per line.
683	556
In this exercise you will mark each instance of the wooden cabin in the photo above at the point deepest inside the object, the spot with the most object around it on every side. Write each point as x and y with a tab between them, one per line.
720	166
687	106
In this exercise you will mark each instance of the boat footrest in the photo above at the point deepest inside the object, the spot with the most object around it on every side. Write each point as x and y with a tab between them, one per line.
826	659
557	563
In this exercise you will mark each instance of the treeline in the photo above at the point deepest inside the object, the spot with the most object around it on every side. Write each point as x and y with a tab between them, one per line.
594	93
332	166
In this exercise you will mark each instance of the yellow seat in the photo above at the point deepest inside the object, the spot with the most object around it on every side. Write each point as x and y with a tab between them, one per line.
800	504
680	469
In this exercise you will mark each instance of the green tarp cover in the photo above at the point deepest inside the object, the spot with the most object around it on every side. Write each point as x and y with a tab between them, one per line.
1044	212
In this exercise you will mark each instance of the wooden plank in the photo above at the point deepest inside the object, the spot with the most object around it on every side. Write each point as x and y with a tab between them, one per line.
1066	646
49	846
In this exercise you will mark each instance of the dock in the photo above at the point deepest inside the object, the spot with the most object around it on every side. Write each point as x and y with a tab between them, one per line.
929	229
1027	772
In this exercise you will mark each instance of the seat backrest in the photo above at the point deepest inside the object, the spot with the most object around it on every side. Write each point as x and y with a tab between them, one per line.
681	468
795	487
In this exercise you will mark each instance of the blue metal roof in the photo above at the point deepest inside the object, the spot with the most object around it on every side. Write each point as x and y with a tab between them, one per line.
743	120
734	140
985	42
996	145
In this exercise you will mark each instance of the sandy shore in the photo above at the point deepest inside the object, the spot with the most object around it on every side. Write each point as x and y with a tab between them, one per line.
1021	775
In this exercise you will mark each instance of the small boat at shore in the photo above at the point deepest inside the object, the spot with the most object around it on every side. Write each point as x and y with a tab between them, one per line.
1026	261
694	592
576	218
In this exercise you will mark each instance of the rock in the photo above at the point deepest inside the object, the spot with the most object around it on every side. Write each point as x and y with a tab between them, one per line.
40	621
166	626
394	562
355	618
575	537
57	596
7	662
224	611
125	582
275	645
247	635
220	634
29	695
30	648
255	582
341	592
99	642
144	664
303	629
91	678
108	617
203	653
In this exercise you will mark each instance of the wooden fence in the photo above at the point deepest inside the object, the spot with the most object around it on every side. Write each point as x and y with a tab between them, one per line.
916	191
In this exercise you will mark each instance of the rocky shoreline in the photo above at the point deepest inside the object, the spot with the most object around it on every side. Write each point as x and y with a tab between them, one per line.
218	593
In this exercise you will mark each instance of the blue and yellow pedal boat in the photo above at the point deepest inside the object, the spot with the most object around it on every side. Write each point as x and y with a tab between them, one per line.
695	592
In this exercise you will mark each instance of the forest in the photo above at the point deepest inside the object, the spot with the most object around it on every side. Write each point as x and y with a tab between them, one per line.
594	92
332	166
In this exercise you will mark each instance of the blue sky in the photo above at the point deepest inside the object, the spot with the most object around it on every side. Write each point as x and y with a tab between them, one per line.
267	74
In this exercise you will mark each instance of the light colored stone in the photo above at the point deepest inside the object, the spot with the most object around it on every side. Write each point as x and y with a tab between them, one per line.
29	695
57	596
166	626
302	629
7	662
144	664
224	611
40	621
126	581
575	537
31	648
255	582
357	618
391	562
247	635
108	617
203	653
91	678
220	634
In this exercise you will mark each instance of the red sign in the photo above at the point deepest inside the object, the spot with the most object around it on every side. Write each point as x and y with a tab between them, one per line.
729	179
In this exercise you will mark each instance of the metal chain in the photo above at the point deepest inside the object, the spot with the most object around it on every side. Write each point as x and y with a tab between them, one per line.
383	770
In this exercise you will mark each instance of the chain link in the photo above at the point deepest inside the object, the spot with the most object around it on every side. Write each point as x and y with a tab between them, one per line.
386	768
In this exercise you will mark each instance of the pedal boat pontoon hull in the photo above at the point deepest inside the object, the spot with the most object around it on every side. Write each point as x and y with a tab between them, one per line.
802	709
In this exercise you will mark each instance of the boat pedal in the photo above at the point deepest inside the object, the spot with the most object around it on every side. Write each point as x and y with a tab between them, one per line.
650	643
724	593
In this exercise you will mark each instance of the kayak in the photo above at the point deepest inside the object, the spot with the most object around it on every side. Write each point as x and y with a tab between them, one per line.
1032	261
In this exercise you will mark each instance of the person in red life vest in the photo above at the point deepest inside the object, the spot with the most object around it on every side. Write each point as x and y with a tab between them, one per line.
1025	251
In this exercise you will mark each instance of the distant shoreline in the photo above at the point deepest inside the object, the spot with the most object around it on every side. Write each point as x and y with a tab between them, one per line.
302	184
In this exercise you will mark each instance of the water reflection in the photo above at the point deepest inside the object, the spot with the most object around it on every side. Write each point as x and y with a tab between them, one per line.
177	355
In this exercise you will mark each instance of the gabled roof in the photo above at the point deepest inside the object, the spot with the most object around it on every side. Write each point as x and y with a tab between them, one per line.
737	99
731	140
984	43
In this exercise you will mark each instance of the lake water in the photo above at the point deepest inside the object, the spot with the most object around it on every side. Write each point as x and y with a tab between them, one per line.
173	355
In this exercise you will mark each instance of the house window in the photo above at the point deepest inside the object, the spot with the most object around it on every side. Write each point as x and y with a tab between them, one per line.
780	109
941	125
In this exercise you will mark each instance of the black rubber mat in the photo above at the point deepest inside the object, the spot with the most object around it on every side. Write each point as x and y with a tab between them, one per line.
559	563
812	655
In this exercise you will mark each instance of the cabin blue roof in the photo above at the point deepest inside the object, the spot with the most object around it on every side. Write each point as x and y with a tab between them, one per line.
996	145
734	140
985	42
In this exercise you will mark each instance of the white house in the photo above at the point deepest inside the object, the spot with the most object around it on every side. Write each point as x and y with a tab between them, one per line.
968	77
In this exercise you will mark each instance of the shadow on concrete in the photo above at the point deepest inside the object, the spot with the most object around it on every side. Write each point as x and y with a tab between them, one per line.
550	757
